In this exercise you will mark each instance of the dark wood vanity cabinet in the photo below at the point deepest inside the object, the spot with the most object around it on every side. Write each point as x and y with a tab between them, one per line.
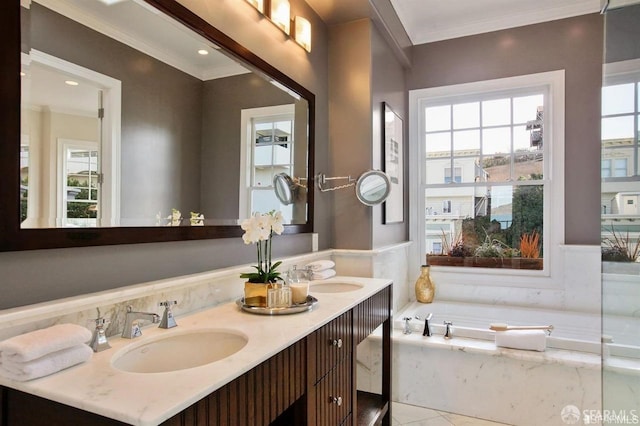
312	382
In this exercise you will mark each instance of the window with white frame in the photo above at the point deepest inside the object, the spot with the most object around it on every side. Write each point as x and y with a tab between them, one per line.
498	139
269	150
620	170
80	183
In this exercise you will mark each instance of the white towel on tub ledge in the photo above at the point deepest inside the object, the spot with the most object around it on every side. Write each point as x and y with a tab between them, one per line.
529	340
36	344
46	365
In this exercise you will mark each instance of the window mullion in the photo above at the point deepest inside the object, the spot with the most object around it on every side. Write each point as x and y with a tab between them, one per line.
452	175
481	124
635	129
512	155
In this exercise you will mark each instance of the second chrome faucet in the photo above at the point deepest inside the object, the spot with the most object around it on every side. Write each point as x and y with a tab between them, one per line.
132	322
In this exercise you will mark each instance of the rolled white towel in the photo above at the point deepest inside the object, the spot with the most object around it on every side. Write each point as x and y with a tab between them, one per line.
323	275
530	340
46	365
36	344
321	265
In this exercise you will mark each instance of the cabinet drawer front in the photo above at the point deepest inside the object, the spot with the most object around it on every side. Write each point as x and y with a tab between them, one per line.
334	395
334	341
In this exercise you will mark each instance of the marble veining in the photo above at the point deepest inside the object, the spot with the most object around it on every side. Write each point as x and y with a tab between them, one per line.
98	387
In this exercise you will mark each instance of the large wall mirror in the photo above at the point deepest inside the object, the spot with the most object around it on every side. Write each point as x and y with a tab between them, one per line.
139	122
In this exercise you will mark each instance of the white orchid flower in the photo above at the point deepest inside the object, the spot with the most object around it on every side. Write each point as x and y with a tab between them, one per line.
277	222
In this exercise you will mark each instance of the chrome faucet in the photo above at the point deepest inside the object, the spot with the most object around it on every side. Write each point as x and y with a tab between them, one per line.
168	321
407	326
99	340
132	322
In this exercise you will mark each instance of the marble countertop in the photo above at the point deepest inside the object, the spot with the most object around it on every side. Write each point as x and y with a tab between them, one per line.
148	399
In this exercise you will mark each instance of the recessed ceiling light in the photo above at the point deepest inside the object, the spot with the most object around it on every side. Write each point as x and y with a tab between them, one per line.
203	52
71	82
22	74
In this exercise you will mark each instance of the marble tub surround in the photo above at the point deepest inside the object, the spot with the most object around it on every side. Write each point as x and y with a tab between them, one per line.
384	262
192	292
98	387
474	378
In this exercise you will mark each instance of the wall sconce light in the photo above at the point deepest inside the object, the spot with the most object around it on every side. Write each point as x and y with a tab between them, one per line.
258	4
280	14
302	32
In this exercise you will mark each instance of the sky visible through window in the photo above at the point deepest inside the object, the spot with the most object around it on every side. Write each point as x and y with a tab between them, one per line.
618	107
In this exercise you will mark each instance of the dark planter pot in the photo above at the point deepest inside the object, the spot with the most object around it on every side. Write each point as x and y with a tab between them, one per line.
485	262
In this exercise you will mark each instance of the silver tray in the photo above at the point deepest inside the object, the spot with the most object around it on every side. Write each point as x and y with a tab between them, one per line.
293	309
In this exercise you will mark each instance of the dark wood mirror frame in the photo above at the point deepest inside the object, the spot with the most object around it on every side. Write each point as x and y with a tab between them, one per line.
13	238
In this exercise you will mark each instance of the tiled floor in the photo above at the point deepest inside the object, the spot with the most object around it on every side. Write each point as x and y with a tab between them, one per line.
410	415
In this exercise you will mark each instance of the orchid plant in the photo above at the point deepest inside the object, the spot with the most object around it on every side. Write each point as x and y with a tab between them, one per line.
259	230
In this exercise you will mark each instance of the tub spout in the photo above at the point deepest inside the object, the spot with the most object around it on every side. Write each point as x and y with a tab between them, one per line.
448	333
427	327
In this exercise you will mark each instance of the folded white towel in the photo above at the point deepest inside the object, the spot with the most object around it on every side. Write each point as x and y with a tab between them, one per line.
36	344
48	364
530	340
323	275
321	265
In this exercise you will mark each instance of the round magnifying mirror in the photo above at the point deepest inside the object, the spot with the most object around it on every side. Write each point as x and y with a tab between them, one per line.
284	187
373	187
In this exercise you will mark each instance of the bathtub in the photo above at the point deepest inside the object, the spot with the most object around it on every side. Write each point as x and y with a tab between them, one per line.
469	375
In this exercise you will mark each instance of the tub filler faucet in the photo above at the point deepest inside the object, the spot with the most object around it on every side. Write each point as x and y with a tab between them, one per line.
132	325
427	327
448	332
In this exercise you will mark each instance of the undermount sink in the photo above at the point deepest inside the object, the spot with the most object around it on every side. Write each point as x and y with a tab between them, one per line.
179	351
334	287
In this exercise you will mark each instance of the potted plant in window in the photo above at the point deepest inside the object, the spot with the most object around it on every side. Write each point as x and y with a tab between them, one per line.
620	254
491	253
259	230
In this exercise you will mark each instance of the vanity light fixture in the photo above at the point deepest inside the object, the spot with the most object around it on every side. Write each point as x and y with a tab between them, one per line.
281	14
258	4
302	32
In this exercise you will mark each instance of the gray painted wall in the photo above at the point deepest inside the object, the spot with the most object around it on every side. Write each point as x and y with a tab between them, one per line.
350	118
575	45
364	72
224	99
388	85
40	275
160	138
622	34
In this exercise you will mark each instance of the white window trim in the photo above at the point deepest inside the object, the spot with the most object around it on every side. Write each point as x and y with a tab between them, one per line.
553	233
246	117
